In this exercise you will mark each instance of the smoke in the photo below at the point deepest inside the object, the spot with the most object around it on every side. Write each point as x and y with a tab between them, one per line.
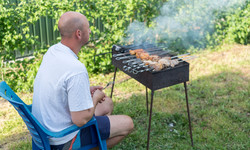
182	22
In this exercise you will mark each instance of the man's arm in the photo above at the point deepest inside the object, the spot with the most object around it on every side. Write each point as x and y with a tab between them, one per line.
80	118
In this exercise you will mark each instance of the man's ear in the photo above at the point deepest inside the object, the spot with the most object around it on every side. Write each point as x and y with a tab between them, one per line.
78	34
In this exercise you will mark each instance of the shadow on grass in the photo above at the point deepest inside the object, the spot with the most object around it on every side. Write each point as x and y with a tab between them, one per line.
219	106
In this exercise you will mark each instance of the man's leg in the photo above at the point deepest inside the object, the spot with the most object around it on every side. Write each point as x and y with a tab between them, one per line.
104	108
120	127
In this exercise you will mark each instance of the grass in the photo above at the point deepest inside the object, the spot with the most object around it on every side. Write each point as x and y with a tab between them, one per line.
219	94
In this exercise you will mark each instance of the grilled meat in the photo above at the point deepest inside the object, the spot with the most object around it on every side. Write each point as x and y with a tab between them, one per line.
134	52
162	63
165	62
154	61
154	57
142	55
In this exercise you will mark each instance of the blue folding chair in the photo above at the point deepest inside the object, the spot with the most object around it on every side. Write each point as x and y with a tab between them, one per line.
40	135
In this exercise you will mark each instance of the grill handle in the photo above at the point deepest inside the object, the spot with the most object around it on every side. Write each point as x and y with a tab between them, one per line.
118	49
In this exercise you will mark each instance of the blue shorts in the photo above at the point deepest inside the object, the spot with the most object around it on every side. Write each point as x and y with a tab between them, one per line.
104	129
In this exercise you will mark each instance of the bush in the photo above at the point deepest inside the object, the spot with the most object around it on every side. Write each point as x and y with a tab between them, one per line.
233	26
20	74
238	28
14	27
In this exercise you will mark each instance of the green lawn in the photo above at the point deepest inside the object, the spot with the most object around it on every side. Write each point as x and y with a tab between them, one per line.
219	98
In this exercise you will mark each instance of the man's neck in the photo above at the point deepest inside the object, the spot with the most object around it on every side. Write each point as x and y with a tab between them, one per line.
72	45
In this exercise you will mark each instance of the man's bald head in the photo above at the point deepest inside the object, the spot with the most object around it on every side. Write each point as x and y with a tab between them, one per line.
69	22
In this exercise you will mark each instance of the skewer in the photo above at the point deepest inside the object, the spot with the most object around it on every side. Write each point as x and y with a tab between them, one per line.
130	60
152	69
188	58
108	84
126	47
162	53
125	57
139	71
180	55
127	68
122	54
134	61
140	66
149	51
118	48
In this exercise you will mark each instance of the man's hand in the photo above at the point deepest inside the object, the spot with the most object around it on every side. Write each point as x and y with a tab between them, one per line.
98	96
94	88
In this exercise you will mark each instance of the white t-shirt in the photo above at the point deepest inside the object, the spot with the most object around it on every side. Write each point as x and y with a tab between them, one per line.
61	85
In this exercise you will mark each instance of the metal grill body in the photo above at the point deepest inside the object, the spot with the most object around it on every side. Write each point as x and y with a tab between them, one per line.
155	80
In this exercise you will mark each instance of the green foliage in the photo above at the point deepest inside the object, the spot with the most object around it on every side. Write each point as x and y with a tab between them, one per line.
20	74
108	20
233	27
239	26
14	27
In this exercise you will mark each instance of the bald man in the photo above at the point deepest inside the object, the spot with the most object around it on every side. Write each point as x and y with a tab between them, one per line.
62	93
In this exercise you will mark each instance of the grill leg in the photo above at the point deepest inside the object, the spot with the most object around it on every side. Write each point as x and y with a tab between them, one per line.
189	120
113	83
149	123
147	99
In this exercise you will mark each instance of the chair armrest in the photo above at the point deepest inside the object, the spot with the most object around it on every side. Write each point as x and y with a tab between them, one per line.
70	129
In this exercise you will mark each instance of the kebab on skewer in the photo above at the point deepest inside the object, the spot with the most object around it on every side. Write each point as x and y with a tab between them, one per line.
156	66
141	54
156	62
162	63
144	55
165	63
153	61
134	52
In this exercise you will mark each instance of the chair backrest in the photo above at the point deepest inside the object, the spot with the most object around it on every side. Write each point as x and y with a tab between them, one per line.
39	137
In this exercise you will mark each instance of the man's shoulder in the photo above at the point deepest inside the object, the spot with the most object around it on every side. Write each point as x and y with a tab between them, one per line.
76	65
60	59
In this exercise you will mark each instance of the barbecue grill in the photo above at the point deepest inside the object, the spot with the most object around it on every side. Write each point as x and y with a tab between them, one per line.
149	77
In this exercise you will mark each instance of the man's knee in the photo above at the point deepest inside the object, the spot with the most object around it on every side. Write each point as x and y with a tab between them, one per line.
109	106
104	108
129	124
110	103
121	125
